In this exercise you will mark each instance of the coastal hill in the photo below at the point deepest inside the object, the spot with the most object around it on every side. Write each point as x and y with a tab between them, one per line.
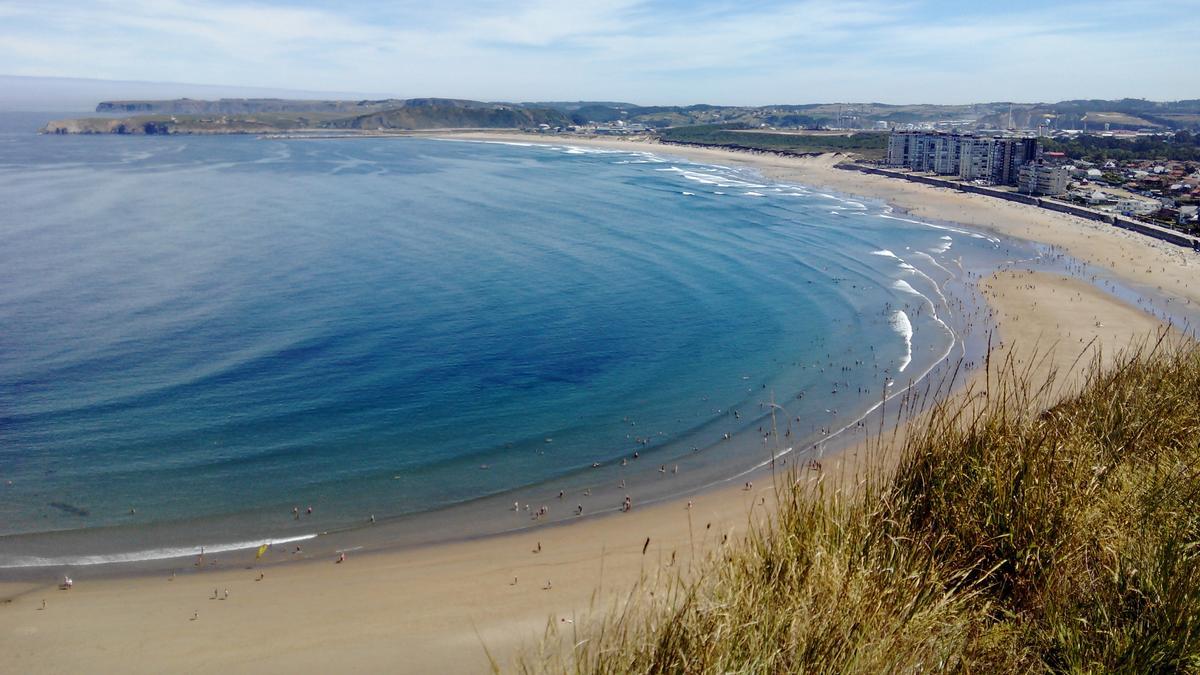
265	115
440	116
241	116
250	106
259	115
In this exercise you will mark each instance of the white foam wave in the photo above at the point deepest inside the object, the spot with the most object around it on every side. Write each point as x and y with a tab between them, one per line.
947	228
902	285
885	253
935	263
578	150
903	326
142	556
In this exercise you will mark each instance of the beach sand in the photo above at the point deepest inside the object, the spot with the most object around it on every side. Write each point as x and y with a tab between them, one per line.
435	609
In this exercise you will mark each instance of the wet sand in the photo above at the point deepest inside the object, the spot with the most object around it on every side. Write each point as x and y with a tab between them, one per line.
436	608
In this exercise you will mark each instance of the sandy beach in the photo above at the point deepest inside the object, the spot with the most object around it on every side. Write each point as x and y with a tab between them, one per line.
446	608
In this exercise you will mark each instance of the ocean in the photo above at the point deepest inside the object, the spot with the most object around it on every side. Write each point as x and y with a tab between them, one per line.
199	335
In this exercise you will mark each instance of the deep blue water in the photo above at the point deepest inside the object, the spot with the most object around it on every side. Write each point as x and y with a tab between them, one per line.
218	329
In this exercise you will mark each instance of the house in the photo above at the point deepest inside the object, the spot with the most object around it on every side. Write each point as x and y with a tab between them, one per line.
1097	197
1131	206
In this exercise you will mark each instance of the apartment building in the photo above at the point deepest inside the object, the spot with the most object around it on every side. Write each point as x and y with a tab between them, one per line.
975	158
1036	178
994	159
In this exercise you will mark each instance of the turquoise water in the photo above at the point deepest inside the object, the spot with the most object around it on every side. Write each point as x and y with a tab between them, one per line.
200	334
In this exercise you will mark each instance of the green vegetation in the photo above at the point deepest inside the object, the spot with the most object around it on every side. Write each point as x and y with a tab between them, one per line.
736	137
1013	536
441	117
1184	147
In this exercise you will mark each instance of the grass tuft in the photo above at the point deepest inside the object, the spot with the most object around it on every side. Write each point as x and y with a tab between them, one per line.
1015	533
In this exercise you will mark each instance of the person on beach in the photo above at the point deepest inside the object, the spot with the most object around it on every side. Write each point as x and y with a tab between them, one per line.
341	557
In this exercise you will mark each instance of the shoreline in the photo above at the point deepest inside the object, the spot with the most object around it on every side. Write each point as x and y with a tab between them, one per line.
1088	241
175	544
444	600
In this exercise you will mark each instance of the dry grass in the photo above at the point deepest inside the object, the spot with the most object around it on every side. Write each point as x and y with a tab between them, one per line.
1014	535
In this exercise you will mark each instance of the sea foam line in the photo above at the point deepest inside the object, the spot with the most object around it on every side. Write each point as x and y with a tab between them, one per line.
143	556
888	214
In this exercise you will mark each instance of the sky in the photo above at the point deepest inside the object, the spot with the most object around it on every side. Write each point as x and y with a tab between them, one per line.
665	52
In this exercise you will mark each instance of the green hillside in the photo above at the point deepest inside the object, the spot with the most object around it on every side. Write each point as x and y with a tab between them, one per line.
441	117
738	137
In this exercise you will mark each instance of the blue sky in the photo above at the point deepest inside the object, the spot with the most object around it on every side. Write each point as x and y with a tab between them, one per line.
644	51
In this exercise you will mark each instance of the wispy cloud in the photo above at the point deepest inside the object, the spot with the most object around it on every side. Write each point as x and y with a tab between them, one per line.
645	50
